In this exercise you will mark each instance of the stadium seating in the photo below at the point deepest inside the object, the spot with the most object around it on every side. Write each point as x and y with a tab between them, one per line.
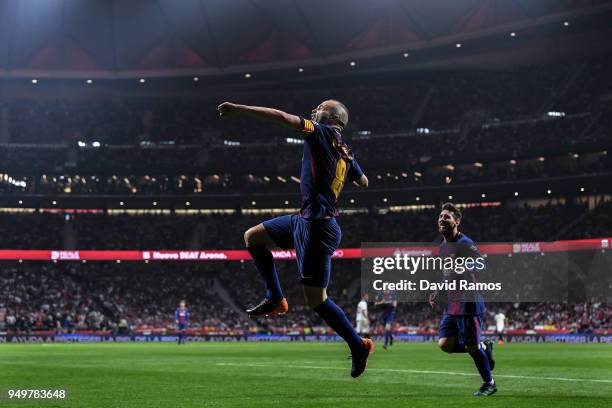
437	130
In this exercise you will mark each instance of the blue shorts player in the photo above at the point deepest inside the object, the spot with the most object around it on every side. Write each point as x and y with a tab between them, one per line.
327	163
460	327
388	304
181	318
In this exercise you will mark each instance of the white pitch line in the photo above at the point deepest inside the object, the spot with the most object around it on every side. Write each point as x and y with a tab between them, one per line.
399	370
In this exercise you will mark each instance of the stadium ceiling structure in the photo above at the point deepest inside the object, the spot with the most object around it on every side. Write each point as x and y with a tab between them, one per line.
119	38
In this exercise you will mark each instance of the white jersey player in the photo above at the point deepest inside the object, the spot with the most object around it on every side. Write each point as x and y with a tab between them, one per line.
362	319
500	322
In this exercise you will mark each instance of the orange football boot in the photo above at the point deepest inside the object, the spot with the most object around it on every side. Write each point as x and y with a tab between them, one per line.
269	308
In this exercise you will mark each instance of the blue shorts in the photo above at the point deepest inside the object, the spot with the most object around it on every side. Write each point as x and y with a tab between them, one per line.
182	326
465	328
388	316
314	242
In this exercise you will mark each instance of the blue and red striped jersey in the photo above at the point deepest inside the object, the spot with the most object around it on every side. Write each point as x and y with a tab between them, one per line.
181	314
462	302
327	162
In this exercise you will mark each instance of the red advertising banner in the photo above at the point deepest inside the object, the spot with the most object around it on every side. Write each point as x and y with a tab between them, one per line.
239	255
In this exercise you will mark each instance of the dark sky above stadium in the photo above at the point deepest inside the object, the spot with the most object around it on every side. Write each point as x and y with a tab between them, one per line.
106	37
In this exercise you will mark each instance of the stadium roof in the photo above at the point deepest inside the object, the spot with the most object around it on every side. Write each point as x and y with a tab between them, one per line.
119	38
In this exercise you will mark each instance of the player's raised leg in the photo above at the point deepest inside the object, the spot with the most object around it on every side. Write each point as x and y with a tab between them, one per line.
451	345
482	360
460	334
315	243
258	241
448	339
361	348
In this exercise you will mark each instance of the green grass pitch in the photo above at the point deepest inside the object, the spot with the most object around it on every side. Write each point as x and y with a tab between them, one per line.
304	374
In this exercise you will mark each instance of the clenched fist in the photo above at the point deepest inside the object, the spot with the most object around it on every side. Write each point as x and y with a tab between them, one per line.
227	108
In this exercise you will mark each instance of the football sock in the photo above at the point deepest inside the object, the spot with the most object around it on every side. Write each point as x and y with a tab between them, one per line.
264	262
459	347
337	320
387	337
482	364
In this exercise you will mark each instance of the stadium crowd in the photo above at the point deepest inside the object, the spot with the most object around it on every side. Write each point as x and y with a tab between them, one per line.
128	297
139	296
445	129
443	100
104	296
282	179
440	129
218	231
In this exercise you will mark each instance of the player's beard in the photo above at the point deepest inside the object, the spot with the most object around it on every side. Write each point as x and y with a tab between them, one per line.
445	228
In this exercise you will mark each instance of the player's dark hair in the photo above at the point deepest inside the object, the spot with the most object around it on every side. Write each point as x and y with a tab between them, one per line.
453	209
340	113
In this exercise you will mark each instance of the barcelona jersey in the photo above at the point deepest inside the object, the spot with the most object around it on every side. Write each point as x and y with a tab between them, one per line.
462	302
182	315
327	162
388	304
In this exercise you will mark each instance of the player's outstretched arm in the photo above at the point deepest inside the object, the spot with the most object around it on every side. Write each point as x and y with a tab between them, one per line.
260	112
362	181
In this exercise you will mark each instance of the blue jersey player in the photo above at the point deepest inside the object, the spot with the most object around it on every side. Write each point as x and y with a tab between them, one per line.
460	327
327	163
181	317
388	304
